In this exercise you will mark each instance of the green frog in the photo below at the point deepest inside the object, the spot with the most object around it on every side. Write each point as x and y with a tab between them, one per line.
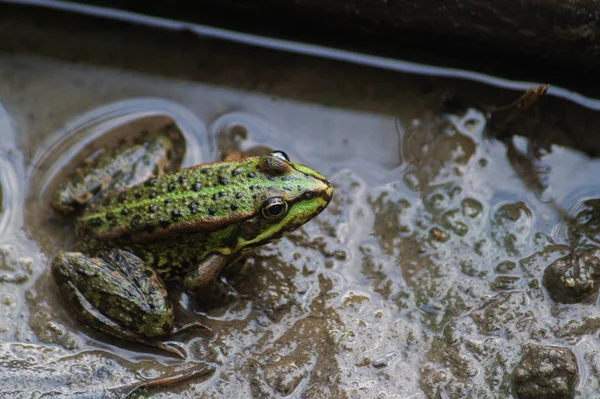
144	225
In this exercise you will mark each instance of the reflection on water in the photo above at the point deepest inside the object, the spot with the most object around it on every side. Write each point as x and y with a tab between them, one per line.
425	277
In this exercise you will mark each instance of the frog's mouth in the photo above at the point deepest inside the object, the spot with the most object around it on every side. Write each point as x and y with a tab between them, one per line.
311	172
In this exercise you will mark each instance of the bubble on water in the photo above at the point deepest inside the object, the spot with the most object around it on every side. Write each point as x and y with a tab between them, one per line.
436	202
511	226
246	132
472	123
471	208
412	181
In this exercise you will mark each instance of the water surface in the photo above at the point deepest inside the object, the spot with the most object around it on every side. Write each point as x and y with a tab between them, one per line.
423	278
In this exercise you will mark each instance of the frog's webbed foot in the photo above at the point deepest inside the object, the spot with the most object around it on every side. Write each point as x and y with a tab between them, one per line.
90	316
169	347
188	327
205	282
122	169
117	294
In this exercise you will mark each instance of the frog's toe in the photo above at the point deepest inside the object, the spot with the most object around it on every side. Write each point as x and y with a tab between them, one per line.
218	293
194	325
171	347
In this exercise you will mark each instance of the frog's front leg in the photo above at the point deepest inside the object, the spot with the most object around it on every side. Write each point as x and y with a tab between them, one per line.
204	282
116	293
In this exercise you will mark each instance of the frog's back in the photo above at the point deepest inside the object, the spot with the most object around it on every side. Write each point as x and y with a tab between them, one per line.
194	200
201	199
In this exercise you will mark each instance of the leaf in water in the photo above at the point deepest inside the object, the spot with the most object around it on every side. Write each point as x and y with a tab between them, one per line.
28	370
507	113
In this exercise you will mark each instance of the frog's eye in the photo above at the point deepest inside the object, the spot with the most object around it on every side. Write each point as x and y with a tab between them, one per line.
281	155
274	208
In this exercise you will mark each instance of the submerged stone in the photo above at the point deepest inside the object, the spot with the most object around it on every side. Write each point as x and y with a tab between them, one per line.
546	372
574	278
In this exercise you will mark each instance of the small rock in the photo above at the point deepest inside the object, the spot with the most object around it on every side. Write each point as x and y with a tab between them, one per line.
546	372
573	278
384	361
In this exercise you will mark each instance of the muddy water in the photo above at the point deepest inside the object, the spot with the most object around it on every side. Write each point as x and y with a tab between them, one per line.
425	277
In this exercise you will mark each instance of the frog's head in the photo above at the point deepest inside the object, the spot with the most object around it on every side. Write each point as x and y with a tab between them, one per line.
286	195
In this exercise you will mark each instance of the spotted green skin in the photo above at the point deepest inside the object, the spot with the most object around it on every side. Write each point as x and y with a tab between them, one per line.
186	225
174	221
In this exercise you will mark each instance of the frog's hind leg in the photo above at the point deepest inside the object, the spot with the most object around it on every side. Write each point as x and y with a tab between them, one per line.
113	173
116	293
91	316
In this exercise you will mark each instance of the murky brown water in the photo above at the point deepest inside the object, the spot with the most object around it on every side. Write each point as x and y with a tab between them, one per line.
423	278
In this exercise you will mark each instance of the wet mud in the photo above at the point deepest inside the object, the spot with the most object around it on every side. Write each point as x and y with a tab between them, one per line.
456	259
